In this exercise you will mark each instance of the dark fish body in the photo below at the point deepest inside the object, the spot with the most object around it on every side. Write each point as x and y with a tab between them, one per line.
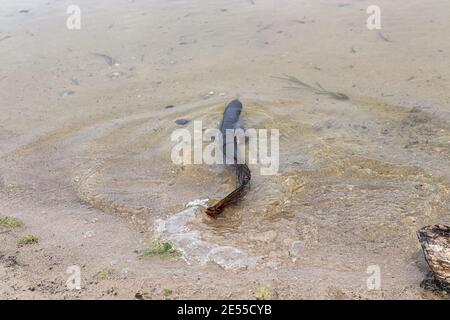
230	120
231	116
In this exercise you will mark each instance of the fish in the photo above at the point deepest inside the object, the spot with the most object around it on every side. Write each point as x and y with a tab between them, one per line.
230	120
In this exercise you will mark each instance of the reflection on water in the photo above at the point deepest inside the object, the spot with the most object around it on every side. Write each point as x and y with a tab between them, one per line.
357	177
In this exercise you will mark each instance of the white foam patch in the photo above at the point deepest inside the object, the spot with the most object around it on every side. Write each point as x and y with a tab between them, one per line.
194	249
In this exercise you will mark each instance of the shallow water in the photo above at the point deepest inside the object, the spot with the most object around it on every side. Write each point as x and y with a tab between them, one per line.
357	178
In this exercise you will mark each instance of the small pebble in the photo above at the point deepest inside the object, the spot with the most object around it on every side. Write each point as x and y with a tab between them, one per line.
66	93
169	107
138	296
115	75
181	122
89	234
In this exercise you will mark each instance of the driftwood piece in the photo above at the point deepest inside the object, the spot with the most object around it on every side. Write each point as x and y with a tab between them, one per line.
435	242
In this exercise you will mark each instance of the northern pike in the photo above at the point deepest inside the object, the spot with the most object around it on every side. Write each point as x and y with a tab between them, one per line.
230	120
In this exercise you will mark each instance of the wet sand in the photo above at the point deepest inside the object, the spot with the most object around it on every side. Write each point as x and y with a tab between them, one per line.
85	146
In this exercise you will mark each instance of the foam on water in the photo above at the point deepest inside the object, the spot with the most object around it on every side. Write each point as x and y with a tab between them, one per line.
194	249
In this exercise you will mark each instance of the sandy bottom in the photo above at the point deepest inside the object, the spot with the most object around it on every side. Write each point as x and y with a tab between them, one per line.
85	148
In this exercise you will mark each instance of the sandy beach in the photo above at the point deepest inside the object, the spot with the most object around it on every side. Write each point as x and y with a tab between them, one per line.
85	147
